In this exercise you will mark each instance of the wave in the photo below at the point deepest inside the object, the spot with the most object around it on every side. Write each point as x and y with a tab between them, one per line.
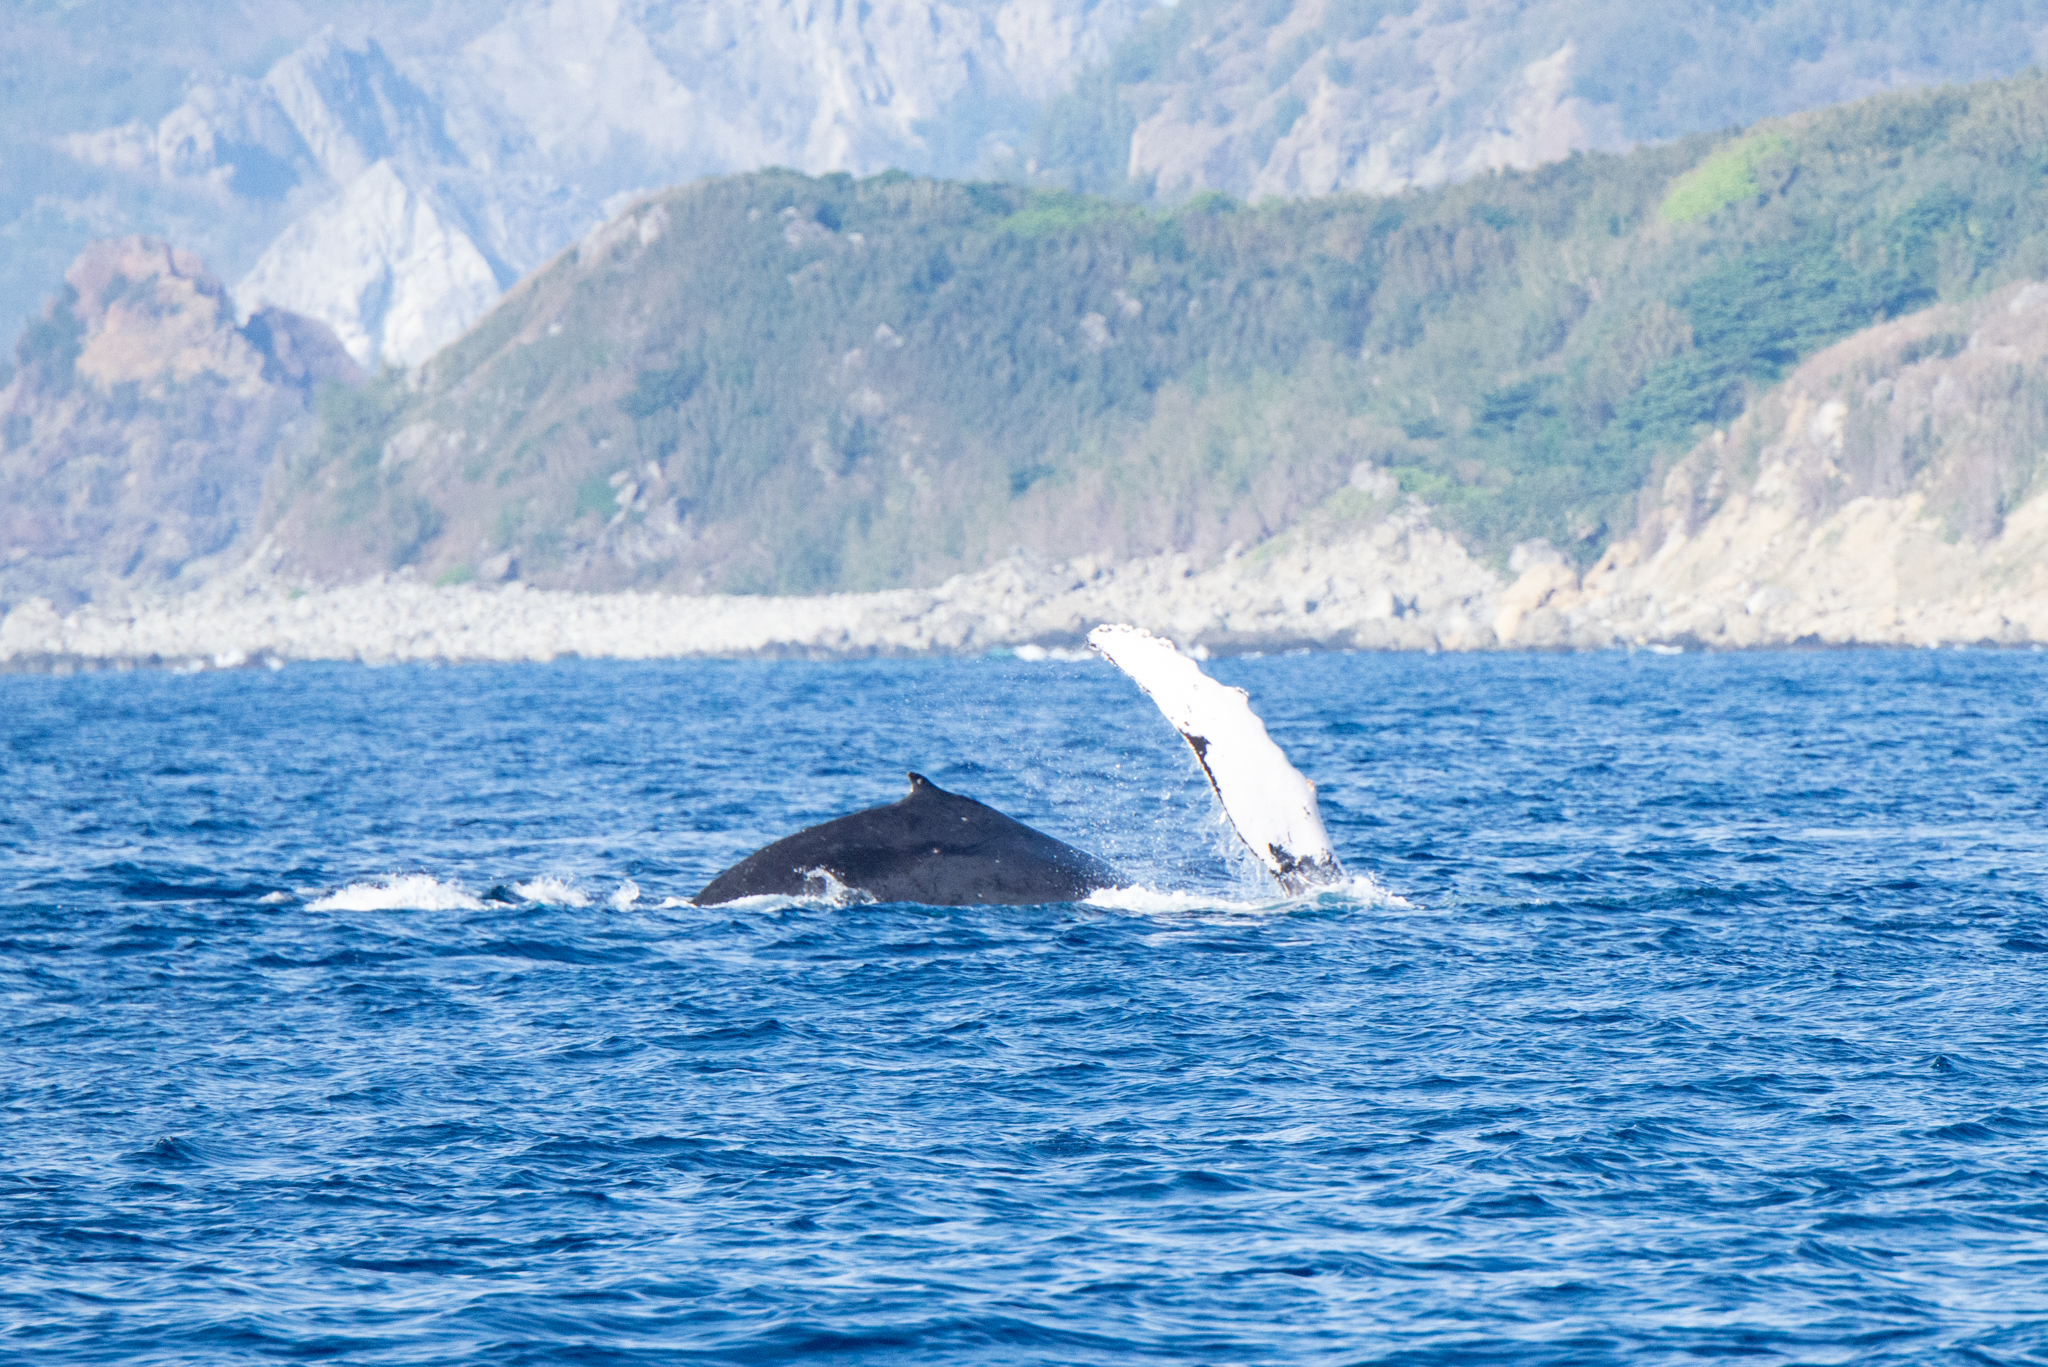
550	891
1165	901
401	892
1355	890
1358	887
424	892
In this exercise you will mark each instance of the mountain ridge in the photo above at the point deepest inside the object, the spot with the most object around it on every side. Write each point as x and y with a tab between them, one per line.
795	384
792	384
1313	97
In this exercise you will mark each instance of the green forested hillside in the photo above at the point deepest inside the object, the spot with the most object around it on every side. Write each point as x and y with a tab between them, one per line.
777	383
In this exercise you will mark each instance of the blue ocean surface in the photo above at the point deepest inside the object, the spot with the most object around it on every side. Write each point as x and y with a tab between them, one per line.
1684	1008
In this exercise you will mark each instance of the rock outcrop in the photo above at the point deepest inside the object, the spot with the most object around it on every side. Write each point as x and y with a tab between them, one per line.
1309	97
136	435
1434	106
421	181
383	266
1403	585
1890	491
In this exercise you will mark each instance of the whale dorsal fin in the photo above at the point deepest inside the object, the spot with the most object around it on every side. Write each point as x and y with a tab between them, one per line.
1270	804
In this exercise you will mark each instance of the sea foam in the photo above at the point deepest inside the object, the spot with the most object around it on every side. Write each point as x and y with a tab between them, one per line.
402	892
551	891
1170	901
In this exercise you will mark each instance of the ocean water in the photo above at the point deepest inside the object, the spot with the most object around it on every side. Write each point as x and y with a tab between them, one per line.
1683	1009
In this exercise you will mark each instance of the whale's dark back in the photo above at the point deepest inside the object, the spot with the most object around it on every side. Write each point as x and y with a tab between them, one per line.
933	847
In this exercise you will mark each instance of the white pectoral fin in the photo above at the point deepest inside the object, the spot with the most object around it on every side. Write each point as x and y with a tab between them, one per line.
1269	802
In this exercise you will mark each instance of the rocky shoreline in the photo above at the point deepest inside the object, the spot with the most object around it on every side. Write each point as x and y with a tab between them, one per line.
1875	573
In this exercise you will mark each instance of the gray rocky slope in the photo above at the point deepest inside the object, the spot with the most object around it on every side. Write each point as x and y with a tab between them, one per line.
392	173
1309	97
139	431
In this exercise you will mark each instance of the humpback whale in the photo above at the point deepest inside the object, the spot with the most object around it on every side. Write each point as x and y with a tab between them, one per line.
933	847
944	849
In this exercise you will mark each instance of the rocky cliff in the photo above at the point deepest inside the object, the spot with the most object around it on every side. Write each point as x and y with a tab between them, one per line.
1893	490
408	168
1309	97
1648	397
141	423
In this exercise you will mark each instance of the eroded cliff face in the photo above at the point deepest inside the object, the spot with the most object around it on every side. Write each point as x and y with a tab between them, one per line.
1445	92
1890	491
136	435
1309	97
385	266
416	182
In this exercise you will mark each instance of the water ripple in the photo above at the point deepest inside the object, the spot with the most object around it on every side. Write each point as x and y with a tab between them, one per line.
1689	1011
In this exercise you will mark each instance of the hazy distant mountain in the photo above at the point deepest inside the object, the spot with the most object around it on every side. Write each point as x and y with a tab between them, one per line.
1308	97
392	171
391	168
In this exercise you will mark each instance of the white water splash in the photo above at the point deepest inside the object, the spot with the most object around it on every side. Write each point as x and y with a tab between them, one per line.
821	889
1166	902
760	901
403	892
822	885
1357	888
1354	891
550	891
627	894
1036	654
1271	804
